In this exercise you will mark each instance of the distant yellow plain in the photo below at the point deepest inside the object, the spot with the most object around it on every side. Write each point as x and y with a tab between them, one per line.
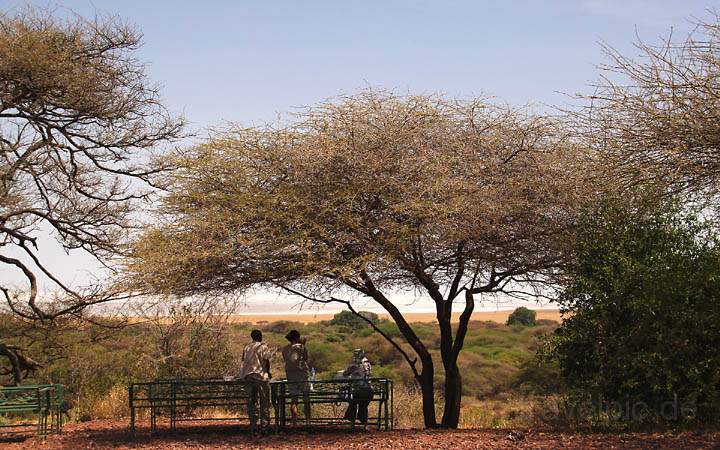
308	317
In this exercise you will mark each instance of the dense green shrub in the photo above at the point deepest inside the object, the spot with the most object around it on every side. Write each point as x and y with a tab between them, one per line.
327	358
350	320
537	376
640	344
280	327
389	328
380	351
522	316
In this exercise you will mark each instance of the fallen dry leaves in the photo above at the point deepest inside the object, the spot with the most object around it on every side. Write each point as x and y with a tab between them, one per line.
114	434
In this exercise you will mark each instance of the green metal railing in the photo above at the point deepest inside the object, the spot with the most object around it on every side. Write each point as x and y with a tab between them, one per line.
40	403
180	400
328	400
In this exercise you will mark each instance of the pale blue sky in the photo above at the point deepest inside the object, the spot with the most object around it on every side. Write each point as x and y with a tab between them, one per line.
248	61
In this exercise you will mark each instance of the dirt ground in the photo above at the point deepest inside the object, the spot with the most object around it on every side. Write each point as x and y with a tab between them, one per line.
114	434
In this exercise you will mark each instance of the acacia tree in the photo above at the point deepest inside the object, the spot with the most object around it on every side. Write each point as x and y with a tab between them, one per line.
365	197
78	118
654	116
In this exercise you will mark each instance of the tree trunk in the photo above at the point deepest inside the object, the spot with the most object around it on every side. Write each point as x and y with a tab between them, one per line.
426	376
453	396
427	388
450	351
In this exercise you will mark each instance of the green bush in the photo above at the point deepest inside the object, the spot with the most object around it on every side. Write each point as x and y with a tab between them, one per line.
389	328
644	322
537	376
327	357
350	320
385	372
280	327
522	316
380	351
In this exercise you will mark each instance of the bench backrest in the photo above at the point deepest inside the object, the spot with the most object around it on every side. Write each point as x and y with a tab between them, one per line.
30	397
188	392
331	389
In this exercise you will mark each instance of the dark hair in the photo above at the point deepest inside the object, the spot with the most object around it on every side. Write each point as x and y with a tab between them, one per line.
293	335
256	335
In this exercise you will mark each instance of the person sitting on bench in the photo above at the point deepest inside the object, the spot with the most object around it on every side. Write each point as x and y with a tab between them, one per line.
361	393
297	372
256	370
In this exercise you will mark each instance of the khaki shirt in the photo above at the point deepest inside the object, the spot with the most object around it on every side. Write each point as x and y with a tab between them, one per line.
296	362
256	361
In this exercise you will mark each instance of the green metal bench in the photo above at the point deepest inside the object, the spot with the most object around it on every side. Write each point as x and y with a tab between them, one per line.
179	399
42	402
335	394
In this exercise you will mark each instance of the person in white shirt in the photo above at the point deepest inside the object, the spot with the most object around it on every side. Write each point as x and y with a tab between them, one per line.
255	369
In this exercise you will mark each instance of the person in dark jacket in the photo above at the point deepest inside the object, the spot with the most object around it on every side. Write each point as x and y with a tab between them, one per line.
360	372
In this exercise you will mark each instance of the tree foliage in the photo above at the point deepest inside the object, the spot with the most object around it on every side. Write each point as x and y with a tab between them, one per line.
354	321
78	120
654	116
522	316
368	195
644	313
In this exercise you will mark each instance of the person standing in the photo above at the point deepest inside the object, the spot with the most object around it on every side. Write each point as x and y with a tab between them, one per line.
361	393
297	371
255	370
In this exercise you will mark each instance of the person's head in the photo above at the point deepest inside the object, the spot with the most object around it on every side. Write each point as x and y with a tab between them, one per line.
293	336
256	335
358	354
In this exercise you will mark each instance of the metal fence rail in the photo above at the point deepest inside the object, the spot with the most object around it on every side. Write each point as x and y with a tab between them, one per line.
179	399
40	403
333	393
183	399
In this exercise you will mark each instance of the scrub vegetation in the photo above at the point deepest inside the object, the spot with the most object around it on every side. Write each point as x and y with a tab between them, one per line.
97	365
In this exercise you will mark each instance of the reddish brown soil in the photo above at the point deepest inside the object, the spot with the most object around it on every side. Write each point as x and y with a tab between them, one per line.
114	434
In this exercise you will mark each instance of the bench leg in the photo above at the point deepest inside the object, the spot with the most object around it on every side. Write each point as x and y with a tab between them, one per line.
390	416
132	421
41	423
251	408
308	413
379	413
